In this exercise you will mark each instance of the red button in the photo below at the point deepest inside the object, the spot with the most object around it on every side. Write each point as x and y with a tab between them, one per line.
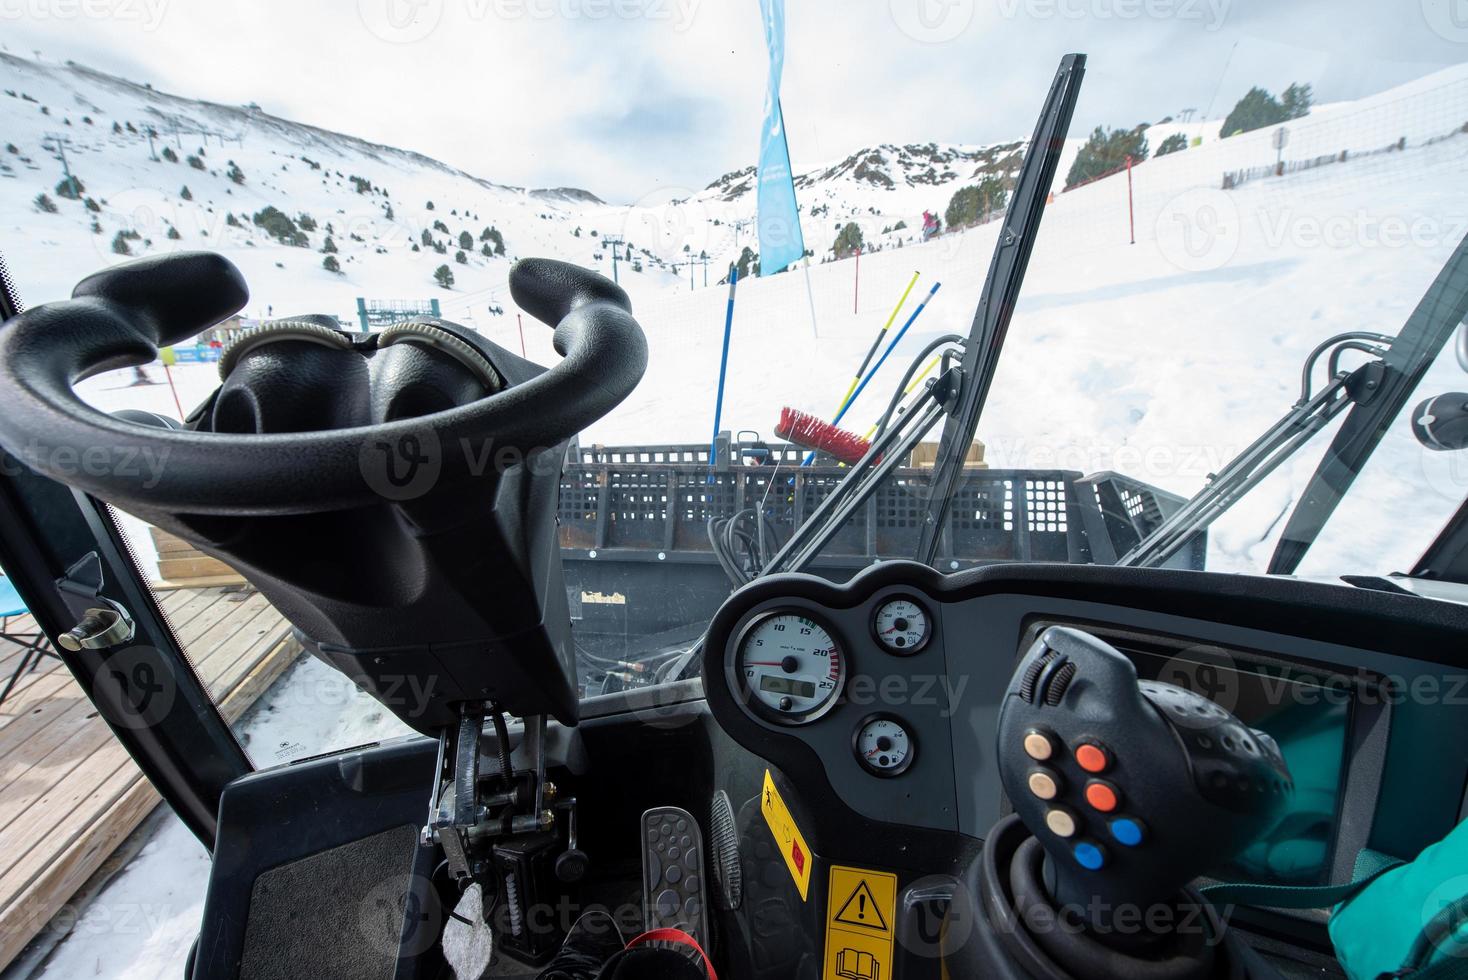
1092	758
1101	796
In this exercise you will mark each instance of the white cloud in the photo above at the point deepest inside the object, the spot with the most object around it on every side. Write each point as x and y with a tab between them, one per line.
626	97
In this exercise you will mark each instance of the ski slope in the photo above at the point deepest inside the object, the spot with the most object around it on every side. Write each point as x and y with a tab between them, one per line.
1159	359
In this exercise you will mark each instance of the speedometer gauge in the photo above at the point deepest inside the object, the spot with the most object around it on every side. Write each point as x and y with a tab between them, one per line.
789	668
902	626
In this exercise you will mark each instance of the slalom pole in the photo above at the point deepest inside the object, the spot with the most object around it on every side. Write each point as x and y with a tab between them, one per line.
910	388
171	387
871	352
522	335
723	370
815	331
886	353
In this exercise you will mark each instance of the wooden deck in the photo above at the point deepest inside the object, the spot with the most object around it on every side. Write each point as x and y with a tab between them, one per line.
69	794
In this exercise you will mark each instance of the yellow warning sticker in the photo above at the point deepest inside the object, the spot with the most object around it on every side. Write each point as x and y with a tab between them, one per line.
860	906
788	837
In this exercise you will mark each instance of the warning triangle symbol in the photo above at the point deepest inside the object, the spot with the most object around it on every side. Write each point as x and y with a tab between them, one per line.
861	910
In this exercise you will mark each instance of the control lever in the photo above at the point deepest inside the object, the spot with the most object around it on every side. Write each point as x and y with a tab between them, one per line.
1132	788
572	863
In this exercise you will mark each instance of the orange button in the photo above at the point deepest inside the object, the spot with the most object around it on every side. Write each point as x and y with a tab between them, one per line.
1092	758
1101	796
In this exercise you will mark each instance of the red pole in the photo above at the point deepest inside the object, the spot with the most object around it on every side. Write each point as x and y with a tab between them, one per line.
522	336
856	287
176	403
1131	216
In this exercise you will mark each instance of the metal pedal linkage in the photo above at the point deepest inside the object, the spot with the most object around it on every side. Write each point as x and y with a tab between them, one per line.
461	813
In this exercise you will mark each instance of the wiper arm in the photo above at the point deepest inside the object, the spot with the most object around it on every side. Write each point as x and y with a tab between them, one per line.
1001	290
1244	472
1421	339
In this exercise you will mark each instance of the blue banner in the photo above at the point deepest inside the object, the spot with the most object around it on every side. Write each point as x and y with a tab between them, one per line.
780	242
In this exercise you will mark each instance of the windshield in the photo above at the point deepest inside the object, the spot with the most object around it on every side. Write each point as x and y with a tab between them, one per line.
1224	205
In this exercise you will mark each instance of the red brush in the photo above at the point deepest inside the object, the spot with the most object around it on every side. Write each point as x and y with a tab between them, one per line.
820	435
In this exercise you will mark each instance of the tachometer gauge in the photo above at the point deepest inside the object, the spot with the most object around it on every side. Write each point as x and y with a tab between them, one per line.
884	746
902	626
789	668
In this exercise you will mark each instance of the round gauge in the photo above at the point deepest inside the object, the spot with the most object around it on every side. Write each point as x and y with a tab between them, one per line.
902	626
884	746
789	667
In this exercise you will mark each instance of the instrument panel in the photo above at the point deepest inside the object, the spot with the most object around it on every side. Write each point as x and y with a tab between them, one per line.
879	697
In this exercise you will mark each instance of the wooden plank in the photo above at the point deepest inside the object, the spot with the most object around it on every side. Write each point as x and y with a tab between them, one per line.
68	791
192	567
69	870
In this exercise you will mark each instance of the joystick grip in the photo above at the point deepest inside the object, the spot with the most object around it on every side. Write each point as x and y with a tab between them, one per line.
1133	788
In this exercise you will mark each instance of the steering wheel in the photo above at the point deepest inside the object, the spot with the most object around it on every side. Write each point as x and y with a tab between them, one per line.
121	317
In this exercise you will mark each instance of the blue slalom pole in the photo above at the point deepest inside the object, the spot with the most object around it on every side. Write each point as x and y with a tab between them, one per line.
878	366
723	369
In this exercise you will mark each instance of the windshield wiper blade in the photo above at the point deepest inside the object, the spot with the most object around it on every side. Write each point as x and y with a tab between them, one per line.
1263	456
1416	346
1001	290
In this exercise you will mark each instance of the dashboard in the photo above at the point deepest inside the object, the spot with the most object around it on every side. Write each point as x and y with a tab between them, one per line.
879	698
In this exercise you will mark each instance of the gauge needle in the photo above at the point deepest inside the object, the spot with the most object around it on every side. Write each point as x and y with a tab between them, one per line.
763	663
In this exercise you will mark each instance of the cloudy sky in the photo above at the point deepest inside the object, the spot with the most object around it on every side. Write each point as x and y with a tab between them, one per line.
633	97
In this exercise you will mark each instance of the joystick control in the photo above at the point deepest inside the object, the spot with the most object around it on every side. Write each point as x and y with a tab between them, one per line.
1124	791
1133	788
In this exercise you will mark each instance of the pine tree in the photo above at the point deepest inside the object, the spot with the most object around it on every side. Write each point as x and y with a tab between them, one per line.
234	173
848	240
186	194
70	188
466	240
1173	143
44	203
173	234
119	244
328	246
461	258
1106	151
169	155
444	276
970	204
1297	100
1255	110
330	264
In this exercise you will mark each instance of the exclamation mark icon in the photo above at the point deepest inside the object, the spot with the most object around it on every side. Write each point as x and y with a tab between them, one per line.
861	906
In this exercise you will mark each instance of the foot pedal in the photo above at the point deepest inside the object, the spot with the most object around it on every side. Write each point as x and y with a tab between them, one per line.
674	891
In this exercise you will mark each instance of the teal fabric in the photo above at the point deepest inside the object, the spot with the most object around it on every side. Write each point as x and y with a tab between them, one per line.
1410	918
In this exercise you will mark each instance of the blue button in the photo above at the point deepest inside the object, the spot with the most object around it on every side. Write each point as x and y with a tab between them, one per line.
1127	832
1090	856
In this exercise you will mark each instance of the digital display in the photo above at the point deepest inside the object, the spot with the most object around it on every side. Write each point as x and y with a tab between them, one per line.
1310	719
775	684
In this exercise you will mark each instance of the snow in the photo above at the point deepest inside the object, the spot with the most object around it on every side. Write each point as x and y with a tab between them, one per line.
1159	359
141	924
